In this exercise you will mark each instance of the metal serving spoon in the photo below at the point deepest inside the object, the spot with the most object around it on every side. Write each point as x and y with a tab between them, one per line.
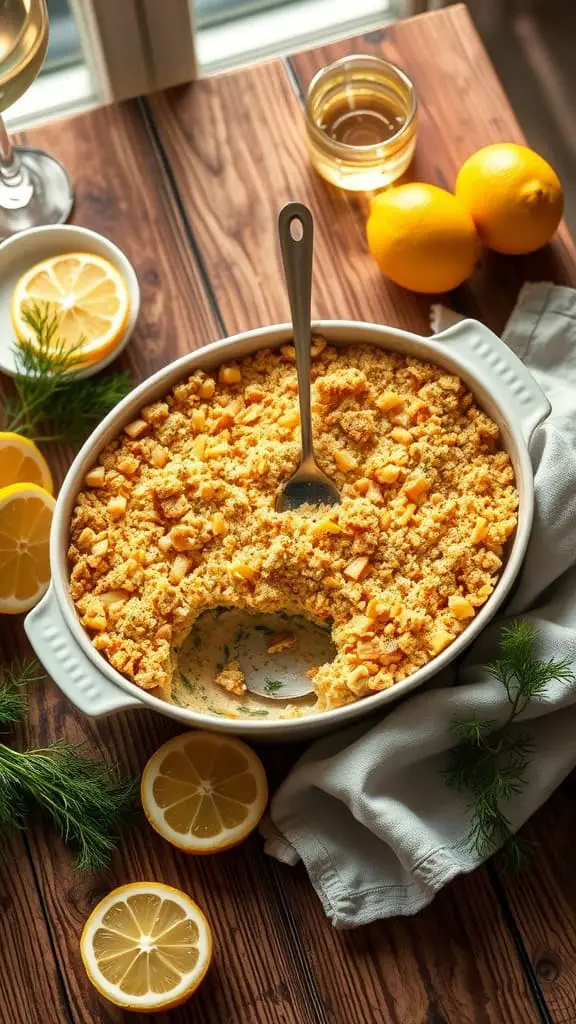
309	485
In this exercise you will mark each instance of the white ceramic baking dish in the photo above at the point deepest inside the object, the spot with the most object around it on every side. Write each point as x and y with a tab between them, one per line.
503	388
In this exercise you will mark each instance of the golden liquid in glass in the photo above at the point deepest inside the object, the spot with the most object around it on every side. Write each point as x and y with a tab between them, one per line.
365	118
361	122
23	43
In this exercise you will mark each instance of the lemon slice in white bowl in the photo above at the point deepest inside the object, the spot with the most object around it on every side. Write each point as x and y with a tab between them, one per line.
86	293
24	251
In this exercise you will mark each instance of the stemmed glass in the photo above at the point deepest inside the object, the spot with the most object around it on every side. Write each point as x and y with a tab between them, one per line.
34	188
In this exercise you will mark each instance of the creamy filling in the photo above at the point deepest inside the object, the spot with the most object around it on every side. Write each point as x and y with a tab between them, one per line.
271	653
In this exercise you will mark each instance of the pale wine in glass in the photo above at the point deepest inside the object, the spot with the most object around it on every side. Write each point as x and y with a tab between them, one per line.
34	188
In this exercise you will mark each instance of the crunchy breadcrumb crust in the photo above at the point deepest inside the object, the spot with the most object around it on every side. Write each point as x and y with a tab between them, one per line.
231	678
178	515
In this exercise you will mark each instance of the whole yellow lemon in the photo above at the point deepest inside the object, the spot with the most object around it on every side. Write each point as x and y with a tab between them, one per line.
514	196
422	237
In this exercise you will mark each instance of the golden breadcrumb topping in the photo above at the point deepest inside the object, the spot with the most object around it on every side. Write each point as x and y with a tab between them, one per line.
178	516
231	678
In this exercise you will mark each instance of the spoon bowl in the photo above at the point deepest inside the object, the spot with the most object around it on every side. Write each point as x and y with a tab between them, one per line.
308	486
273	650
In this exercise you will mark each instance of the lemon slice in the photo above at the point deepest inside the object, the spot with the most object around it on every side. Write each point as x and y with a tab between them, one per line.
146	946
25	518
22	462
86	292
204	792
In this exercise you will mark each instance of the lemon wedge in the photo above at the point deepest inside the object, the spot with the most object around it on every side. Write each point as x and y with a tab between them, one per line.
25	518
87	294
204	792
146	947
22	462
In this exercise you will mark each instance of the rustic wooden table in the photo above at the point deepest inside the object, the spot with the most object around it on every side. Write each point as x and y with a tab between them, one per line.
189	183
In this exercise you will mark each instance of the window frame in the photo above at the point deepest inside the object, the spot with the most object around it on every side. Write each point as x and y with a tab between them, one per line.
133	47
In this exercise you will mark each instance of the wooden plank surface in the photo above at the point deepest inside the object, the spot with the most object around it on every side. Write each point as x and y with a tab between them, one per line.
29	979
254	170
452	962
189	183
543	901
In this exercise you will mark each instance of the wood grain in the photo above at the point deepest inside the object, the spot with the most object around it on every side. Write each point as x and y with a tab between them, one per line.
543	901
237	148
415	970
29	979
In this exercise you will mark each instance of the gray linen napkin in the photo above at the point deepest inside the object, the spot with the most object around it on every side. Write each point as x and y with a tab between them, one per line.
367	810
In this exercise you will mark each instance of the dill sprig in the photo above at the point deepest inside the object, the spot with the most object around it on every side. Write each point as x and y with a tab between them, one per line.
86	798
273	685
51	402
13	682
489	761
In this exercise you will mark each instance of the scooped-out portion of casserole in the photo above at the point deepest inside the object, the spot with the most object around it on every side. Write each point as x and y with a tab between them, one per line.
178	516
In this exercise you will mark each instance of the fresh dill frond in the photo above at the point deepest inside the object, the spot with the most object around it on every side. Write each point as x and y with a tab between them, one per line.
491	762
12	809
517	668
51	402
13	681
273	685
86	798
471	729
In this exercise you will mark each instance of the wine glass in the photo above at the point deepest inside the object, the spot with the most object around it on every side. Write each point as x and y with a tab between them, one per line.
34	188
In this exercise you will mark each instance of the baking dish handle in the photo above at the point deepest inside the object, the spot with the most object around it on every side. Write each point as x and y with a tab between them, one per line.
66	663
506	376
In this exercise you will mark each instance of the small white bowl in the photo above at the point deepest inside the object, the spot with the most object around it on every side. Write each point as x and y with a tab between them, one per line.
22	251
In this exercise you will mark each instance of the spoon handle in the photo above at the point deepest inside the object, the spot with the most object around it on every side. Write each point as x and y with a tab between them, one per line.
296	231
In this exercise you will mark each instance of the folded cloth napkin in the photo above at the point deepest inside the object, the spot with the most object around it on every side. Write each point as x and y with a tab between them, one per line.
367	810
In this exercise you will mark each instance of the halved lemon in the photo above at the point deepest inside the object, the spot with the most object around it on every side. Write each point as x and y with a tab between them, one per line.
22	462
146	946
25	518
204	792
86	292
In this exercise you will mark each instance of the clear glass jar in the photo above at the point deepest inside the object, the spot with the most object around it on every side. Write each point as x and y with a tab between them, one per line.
361	122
